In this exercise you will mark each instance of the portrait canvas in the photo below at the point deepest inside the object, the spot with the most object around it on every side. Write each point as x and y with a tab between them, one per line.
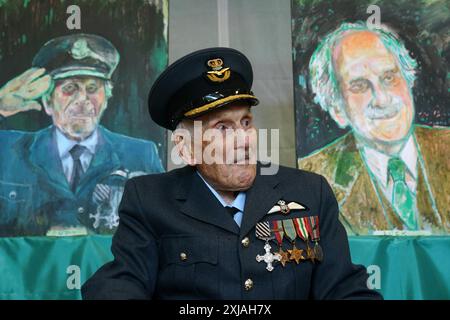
371	81
74	122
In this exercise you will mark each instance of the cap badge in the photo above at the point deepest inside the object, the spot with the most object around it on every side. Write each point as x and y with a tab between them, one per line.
218	73
81	50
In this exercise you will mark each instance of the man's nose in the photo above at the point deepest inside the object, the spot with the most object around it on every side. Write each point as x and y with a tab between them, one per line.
242	138
82	93
381	97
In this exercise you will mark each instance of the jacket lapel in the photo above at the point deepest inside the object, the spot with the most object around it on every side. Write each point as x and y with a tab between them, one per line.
428	214
260	198
360	207
104	162
45	159
201	204
368	207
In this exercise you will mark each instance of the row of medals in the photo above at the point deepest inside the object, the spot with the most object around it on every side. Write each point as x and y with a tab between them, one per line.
313	253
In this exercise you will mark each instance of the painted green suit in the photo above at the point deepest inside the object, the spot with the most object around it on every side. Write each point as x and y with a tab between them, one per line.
363	206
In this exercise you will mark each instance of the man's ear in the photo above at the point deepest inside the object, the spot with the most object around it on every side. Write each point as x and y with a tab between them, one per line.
108	87
183	143
46	102
338	114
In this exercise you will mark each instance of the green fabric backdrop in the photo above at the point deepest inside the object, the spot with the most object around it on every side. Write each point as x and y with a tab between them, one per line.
45	268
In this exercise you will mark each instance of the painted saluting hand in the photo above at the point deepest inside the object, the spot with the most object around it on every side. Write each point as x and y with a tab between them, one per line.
20	94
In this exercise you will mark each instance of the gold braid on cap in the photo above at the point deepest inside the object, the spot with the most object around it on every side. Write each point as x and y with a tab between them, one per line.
213	104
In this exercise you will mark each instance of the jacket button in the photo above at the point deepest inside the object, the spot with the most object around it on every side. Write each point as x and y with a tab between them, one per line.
248	285
245	242
12	195
80	210
183	256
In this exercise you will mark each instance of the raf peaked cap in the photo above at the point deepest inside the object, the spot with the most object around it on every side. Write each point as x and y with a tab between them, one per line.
78	55
198	83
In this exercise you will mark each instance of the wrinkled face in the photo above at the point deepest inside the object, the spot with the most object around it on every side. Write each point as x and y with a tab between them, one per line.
77	105
378	102
233	140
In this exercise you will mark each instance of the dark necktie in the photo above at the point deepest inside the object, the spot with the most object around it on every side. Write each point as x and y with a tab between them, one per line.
232	212
76	152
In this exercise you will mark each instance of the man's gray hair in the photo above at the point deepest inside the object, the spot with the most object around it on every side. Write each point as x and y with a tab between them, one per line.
187	124
324	82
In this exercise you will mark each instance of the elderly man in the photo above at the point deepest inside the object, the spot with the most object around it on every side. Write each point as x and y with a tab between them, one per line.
387	173
219	229
66	179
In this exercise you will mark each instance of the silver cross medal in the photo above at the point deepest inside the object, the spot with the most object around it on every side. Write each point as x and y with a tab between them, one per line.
263	232
268	257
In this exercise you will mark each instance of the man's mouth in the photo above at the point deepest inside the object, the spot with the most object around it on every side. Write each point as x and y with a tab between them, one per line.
382	114
89	114
245	159
80	111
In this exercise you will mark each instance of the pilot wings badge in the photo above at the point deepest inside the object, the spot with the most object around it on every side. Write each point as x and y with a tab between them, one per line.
285	208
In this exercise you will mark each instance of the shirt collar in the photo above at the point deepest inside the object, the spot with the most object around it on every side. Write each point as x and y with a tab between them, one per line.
238	203
378	161
65	144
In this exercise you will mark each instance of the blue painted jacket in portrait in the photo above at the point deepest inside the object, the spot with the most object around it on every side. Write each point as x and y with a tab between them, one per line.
35	196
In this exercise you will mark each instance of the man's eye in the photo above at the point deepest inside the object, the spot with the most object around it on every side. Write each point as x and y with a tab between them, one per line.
389	78
92	88
246	123
359	86
221	127
69	88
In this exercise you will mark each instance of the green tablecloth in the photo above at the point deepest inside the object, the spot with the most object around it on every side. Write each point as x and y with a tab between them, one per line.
49	268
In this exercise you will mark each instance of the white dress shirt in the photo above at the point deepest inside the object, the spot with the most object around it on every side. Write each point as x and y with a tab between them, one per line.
238	203
65	145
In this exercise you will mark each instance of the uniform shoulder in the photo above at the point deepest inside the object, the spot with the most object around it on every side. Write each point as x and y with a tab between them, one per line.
161	181
12	134
136	154
118	138
431	133
345	142
326	159
8	138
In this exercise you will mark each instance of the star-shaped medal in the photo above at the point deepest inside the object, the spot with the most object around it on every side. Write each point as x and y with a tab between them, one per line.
310	254
296	254
284	257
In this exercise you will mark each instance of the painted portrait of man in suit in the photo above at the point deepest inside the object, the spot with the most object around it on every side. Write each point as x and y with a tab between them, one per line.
68	178
388	173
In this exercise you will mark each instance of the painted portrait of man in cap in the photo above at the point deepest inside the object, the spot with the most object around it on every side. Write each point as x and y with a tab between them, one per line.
67	178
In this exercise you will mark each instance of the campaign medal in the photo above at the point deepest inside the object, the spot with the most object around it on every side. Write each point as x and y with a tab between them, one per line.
301	229
263	233
315	237
289	230
309	251
278	231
